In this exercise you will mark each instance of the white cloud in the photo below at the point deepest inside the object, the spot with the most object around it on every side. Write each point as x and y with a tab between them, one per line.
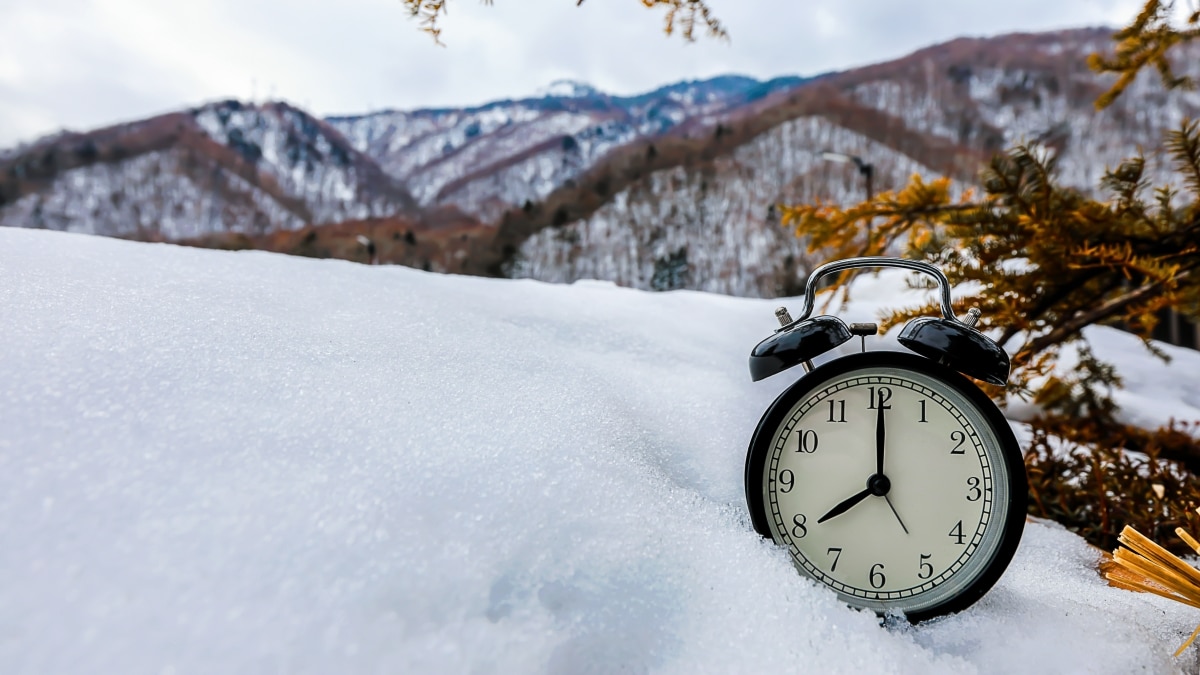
87	63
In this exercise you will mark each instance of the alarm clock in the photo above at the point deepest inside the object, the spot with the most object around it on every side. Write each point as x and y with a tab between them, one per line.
889	476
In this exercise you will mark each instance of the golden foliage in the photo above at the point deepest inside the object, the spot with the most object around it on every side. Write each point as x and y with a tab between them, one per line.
687	15
682	16
1145	43
428	11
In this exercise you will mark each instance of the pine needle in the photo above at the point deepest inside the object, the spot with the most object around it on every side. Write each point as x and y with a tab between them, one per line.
1141	565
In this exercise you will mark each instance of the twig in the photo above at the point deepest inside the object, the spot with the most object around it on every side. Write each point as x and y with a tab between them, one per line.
1146	567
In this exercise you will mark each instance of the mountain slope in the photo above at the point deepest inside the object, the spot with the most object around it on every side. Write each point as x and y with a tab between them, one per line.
223	167
672	188
940	111
487	159
234	174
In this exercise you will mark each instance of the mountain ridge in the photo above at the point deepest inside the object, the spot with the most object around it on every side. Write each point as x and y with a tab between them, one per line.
669	188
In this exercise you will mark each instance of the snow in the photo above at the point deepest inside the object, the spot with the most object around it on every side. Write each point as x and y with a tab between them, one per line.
566	89
489	158
241	462
716	214
148	195
1038	105
297	154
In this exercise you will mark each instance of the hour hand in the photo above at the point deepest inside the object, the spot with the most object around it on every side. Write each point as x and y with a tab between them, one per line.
845	505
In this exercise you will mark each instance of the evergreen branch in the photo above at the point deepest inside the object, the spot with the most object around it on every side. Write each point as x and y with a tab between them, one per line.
685	15
1184	146
1061	292
1143	43
1126	182
1005	178
1104	311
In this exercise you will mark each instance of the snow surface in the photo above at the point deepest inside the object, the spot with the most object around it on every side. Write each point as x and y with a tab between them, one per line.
566	89
219	462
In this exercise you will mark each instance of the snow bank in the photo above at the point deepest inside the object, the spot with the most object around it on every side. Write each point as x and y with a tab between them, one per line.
248	463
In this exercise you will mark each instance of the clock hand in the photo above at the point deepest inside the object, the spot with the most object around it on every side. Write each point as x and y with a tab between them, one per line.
879	440
880	444
845	505
889	501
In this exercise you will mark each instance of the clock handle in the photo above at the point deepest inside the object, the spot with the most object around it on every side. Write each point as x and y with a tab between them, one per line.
810	288
949	340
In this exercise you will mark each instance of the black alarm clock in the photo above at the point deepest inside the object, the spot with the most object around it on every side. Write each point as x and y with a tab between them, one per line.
889	476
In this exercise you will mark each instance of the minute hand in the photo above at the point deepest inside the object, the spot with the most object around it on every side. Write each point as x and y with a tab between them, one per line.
880	433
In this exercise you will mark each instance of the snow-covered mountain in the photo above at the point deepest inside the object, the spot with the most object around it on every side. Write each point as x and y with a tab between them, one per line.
221	168
940	111
487	159
426	183
710	226
674	188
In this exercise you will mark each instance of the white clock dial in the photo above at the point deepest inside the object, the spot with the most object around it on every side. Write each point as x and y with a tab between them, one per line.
891	486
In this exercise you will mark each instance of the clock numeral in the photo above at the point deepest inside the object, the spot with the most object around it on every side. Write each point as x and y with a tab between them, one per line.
799	527
787	479
880	401
961	438
877	578
974	493
956	534
807	441
841	410
923	412
926	568
837	555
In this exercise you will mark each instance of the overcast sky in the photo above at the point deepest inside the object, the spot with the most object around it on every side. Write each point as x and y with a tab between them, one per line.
80	64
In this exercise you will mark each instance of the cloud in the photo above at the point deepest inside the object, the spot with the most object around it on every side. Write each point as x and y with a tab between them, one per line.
86	63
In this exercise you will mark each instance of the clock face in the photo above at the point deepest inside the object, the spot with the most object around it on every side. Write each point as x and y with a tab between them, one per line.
892	480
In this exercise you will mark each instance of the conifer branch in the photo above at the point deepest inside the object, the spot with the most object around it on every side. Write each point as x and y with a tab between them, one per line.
1184	146
1104	311
1145	43
682	16
1049	300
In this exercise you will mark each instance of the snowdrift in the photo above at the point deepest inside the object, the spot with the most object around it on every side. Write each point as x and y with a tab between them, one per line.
247	463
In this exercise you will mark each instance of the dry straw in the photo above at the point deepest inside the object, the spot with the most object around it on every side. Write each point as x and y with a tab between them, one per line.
1141	565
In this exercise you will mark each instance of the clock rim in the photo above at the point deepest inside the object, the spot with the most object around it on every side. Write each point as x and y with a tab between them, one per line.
1012	461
